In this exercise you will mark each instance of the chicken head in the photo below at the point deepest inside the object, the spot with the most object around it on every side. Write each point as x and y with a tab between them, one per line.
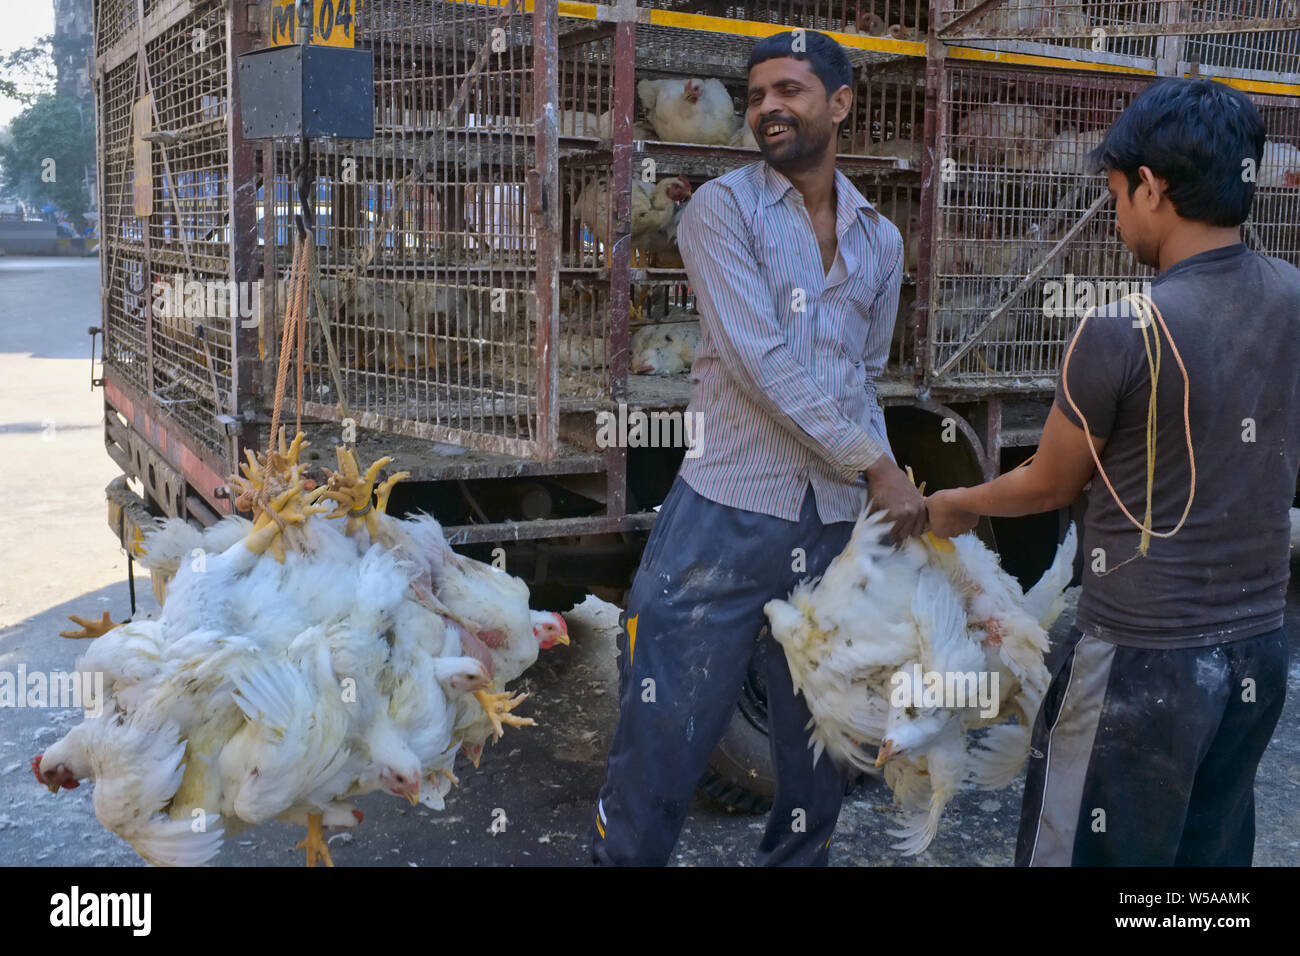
678	189
56	776
550	629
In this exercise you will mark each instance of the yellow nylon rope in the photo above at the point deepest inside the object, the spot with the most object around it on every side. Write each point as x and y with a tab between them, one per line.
1146	309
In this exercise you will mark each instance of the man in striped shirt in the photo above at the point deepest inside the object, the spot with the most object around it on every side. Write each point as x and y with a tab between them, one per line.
796	278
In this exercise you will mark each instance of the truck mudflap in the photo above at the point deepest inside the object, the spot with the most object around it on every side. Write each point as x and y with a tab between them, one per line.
127	516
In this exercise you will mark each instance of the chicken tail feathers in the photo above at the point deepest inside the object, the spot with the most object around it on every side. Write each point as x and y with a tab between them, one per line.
165	842
1043	601
999	756
919	830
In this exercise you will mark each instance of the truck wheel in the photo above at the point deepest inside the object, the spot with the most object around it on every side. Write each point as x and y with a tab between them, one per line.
740	774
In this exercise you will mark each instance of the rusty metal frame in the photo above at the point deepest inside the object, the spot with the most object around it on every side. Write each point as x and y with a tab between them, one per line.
933	131
242	162
546	210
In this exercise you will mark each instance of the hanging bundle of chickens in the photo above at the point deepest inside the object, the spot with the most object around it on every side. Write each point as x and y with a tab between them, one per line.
916	659
320	652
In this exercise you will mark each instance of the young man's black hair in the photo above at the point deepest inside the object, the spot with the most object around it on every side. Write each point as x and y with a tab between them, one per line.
824	56
1194	134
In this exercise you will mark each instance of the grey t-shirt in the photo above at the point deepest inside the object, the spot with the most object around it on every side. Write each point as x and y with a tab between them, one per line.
1235	317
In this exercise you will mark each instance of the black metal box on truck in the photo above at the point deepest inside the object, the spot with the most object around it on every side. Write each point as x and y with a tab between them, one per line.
307	90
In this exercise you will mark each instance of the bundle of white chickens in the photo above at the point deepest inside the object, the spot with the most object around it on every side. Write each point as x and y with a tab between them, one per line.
863	641
319	652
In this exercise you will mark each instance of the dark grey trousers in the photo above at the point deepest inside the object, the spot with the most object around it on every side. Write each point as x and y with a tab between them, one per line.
1148	757
694	611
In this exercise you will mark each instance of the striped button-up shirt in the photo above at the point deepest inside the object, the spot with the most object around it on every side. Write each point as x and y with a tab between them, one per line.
789	354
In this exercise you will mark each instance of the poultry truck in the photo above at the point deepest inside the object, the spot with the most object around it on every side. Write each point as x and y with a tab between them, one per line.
469	313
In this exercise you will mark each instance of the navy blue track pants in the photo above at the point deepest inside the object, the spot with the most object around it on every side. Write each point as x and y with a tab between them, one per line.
693	615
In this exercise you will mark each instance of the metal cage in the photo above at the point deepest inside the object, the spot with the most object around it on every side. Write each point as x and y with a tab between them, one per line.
480	279
1021	225
1256	39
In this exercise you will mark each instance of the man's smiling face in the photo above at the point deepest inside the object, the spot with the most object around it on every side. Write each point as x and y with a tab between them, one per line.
793	120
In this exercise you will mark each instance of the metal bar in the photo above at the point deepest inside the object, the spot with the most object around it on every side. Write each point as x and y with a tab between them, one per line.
547	528
993	438
546	97
1119	30
934	132
620	256
1023	287
242	158
976	12
141	88
519	447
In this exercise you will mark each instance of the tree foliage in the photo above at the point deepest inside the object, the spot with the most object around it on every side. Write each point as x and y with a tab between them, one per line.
50	129
28	72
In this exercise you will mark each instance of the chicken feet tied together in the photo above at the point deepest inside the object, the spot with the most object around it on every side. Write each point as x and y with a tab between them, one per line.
498	708
352	491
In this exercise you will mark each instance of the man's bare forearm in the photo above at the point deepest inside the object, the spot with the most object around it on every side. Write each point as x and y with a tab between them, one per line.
1019	492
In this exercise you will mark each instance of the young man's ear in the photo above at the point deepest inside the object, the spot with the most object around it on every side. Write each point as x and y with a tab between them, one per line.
841	103
1156	187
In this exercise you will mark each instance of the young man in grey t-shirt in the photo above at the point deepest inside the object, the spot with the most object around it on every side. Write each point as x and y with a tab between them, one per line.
1173	678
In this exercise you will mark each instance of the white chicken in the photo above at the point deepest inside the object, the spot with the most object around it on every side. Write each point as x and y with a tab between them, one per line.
652	207
659	245
1067	152
1280	166
743	137
282	680
871	24
487	618
598	126
174	541
866	641
664	348
689	111
1002	135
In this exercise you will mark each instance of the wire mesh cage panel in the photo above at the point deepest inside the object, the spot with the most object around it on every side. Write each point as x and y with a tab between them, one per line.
1274	224
1048	18
1017	219
889	120
121	232
429	242
114	20
1255	39
1024	241
169	307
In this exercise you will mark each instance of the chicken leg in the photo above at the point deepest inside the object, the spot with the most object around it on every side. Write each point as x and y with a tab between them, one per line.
637	309
939	544
90	628
318	851
498	708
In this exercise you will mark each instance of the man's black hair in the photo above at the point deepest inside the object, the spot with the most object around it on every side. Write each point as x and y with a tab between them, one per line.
1194	134
824	56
